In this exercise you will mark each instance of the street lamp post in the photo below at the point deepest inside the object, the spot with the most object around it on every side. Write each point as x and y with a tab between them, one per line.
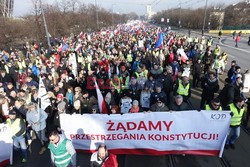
204	19
45	24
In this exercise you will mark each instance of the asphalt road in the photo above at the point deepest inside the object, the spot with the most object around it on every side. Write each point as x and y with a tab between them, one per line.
240	157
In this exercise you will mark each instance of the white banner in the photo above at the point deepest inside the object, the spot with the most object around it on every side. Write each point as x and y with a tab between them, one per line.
140	44
6	145
158	133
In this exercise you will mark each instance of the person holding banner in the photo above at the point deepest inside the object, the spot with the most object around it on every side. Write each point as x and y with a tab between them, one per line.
101	158
62	151
18	131
179	104
214	105
237	110
36	117
159	106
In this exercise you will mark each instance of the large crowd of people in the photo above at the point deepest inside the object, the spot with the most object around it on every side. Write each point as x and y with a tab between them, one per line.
137	67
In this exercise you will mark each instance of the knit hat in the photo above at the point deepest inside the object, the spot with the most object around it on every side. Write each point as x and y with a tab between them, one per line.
59	96
135	102
238	76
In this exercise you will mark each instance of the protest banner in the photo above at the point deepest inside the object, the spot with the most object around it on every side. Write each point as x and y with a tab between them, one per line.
140	44
6	144
158	133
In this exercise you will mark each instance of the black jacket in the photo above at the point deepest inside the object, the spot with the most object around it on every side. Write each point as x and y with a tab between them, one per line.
197	68
209	88
226	95
184	106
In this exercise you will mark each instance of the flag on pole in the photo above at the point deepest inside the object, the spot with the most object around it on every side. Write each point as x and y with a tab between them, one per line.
117	70
101	103
43	95
170	40
159	42
109	71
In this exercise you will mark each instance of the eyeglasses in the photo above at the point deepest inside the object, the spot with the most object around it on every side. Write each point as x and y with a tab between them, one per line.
159	102
216	104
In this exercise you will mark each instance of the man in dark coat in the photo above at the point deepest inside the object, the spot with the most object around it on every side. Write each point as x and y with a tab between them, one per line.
210	86
197	71
179	104
226	95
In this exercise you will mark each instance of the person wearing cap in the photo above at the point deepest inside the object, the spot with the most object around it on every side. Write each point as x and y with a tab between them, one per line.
159	106
62	151
237	111
94	109
214	105
102	158
135	107
36	118
158	93
179	104
210	85
183	88
18	131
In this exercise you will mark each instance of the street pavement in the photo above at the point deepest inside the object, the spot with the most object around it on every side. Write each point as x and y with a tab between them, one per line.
240	157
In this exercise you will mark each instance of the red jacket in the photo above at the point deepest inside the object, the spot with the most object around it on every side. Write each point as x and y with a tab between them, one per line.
111	161
237	39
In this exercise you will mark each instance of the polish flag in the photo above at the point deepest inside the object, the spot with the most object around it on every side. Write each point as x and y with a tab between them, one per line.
101	103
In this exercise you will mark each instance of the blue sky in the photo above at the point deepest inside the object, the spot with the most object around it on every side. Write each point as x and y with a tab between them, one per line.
22	7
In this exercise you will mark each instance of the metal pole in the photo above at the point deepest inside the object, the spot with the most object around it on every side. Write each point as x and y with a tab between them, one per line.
97	18
204	20
45	24
113	15
180	15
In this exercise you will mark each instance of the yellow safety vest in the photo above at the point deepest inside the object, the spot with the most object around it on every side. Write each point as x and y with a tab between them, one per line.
237	116
117	87
196	40
129	58
209	43
181	90
14	126
207	107
203	41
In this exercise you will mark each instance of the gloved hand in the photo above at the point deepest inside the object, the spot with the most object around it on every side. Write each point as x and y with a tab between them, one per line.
232	114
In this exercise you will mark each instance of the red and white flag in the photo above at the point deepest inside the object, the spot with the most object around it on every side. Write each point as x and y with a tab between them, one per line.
101	103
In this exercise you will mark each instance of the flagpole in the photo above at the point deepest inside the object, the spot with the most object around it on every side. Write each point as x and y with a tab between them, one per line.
45	24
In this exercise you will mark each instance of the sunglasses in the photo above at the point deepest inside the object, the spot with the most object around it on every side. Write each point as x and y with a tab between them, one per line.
216	104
